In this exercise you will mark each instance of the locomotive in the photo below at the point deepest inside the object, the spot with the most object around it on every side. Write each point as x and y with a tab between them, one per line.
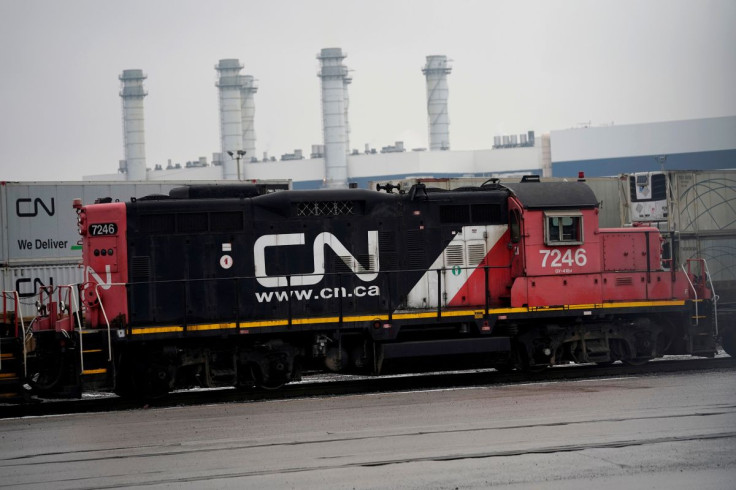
213	286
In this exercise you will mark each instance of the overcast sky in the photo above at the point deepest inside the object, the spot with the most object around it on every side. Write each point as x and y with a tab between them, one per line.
517	65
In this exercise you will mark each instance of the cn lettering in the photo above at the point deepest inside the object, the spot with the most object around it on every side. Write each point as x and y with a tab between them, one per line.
23	207
322	240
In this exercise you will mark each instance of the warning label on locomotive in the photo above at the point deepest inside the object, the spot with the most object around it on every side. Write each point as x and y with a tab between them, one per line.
317	294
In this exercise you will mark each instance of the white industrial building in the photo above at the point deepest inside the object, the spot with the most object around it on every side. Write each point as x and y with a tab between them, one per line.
696	144
597	151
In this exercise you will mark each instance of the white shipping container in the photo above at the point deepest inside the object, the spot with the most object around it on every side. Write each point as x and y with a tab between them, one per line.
704	201
28	280
720	255
39	226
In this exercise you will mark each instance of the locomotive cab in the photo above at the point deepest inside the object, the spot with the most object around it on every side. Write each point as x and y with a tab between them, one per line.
554	244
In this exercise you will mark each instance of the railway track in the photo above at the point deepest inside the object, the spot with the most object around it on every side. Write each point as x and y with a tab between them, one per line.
340	385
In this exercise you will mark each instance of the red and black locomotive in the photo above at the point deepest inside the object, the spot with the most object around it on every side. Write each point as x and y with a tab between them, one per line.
223	286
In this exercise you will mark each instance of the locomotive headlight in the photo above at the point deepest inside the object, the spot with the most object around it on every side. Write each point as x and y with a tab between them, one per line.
82	222
547	352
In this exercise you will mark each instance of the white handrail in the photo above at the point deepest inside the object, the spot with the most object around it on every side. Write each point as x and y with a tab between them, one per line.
23	329
715	297
104	314
18	314
694	292
75	306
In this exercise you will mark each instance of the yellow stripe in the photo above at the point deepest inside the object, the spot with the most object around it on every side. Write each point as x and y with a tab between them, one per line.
7	355
145	330
94	371
399	316
8	376
91	351
211	326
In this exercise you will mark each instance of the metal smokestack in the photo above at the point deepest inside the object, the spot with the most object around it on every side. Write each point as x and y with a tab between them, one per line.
248	110
334	116
436	71
347	81
231	122
132	93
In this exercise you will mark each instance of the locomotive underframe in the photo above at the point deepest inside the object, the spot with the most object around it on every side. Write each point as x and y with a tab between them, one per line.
154	363
158	363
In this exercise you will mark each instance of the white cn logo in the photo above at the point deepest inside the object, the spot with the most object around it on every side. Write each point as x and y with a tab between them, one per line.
323	240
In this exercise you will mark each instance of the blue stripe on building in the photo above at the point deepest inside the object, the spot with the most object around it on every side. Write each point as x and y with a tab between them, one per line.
705	160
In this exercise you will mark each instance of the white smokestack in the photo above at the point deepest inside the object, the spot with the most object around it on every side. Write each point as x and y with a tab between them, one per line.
248	110
347	81
132	93
334	116
231	122
436	71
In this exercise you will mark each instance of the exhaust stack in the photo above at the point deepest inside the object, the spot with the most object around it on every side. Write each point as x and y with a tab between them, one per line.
134	141
436	71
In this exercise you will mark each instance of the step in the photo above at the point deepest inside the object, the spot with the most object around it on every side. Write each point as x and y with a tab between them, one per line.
9	378
94	371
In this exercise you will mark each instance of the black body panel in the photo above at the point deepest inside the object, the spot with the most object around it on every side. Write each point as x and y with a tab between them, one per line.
194	260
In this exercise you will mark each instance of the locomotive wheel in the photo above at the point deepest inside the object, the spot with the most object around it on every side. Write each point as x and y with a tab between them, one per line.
604	363
270	383
46	371
337	360
527	366
140	381
640	361
504	368
157	382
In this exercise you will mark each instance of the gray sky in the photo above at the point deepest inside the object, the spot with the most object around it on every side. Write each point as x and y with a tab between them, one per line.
517	65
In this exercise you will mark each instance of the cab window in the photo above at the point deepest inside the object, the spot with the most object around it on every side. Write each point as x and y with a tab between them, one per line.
563	229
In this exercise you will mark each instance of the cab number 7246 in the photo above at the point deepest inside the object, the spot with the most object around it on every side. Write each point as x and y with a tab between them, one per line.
556	258
102	229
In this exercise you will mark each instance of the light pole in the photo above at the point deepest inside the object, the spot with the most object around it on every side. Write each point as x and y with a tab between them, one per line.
237	156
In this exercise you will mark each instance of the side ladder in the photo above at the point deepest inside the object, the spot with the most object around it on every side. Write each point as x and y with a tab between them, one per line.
703	329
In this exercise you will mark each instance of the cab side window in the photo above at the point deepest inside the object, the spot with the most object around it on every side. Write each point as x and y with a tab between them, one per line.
563	229
515	227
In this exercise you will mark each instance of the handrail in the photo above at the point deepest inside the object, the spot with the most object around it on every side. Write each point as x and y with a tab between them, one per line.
18	317
715	297
692	286
104	314
74	312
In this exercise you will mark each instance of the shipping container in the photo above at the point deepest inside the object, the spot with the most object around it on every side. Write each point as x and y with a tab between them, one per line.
697	208
704	201
39	226
28	281
686	201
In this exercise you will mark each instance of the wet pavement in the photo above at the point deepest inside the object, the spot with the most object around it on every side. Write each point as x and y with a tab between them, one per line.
663	431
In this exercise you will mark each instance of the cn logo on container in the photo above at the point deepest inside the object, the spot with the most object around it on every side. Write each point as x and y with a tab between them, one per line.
25	207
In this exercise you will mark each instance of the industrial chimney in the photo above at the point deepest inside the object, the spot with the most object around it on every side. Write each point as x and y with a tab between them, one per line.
248	112
231	123
132	93
334	116
347	81
436	71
